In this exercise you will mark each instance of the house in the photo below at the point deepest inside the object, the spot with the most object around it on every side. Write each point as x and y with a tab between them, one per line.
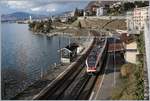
139	16
136	18
100	11
94	7
69	14
55	19
63	19
78	12
69	53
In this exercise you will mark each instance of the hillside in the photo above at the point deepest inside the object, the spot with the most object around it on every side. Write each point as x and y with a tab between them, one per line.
100	23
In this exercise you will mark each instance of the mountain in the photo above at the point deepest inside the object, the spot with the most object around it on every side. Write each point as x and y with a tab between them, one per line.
20	16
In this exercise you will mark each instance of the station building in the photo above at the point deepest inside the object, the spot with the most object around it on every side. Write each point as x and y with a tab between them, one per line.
69	52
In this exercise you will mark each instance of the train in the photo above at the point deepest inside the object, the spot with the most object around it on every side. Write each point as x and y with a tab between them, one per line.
95	57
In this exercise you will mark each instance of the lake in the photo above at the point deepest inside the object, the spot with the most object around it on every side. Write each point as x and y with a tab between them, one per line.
27	53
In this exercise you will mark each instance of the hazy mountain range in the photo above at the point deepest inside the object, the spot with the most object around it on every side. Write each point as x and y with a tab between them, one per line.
23	16
20	16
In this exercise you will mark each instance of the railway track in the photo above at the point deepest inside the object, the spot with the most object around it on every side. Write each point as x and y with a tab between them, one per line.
79	86
68	92
56	90
63	86
74	85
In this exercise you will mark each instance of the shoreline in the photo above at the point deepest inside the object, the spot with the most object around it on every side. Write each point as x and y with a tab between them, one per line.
37	86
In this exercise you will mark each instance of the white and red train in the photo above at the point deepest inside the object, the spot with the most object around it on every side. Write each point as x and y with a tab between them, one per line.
93	59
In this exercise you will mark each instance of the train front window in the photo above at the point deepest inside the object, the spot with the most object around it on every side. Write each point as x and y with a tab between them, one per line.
92	60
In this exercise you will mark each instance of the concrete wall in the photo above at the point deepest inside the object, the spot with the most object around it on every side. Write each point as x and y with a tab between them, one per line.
131	52
104	17
147	49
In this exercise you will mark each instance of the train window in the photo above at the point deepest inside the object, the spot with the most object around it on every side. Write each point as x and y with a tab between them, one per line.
91	64
92	60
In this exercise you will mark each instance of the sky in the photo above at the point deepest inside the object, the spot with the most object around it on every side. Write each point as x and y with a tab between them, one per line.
40	6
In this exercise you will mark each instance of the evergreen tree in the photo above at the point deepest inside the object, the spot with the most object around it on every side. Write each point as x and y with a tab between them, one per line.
76	12
79	25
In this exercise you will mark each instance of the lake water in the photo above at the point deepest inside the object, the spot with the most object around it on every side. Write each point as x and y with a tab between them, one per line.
25	55
25	52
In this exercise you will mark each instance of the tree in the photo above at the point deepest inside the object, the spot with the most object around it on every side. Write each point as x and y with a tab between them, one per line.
43	26
128	6
50	21
32	25
140	42
79	25
47	26
141	3
76	12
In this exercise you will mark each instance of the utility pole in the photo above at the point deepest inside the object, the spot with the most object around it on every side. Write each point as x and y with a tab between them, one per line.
41	72
69	52
60	48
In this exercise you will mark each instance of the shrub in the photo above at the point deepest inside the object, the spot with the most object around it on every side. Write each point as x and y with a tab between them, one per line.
127	69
